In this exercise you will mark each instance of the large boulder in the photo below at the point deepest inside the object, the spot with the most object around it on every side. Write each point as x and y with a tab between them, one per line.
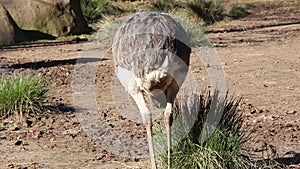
9	30
54	17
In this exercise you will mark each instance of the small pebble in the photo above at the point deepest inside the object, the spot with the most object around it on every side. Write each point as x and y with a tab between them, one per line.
18	143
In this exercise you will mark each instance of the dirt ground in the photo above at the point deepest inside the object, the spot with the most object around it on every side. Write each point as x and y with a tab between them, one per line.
260	56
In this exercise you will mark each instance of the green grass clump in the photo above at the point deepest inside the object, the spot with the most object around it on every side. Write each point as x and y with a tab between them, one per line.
220	149
94	9
237	12
165	5
210	11
20	95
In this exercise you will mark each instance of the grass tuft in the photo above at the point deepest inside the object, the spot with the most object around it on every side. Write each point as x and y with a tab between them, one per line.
220	149
93	10
210	11
165	5
237	12
20	95
110	26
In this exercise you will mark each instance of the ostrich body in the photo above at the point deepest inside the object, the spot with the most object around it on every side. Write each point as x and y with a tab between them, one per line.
151	52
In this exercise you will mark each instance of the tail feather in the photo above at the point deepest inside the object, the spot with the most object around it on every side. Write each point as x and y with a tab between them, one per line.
153	80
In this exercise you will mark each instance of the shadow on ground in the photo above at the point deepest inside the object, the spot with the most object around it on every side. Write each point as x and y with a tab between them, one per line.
34	35
30	44
61	108
53	63
292	161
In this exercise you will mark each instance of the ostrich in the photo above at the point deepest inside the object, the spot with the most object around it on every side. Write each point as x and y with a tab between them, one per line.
151	52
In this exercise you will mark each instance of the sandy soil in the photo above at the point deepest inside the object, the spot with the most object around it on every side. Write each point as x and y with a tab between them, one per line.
260	56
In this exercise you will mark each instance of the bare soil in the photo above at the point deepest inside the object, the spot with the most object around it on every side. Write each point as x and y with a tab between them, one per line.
260	56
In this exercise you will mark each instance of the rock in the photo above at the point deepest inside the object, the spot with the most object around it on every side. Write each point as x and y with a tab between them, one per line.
272	130
2	128
9	30
53	17
18	143
36	133
71	132
28	123
291	112
16	128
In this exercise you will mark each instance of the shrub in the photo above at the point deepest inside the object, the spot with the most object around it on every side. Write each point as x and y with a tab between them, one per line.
20	95
210	11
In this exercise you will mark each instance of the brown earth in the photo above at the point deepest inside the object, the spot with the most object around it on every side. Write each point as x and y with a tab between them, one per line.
260	56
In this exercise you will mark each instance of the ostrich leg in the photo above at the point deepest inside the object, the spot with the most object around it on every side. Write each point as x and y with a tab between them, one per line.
171	93
147	120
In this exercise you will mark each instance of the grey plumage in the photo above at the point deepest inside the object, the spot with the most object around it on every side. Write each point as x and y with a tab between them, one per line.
148	38
151	51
